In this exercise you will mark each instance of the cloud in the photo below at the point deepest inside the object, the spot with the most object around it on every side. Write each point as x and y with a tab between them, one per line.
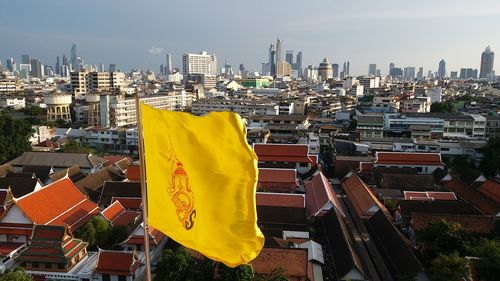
155	50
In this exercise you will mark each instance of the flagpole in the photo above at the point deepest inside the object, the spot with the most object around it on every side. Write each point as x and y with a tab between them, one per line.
142	166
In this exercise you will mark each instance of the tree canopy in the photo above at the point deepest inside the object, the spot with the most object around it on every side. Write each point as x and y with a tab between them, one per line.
14	137
17	274
99	233
490	164
75	147
488	265
443	237
448	267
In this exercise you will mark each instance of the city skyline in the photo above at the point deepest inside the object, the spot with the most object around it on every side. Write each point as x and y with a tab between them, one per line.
323	29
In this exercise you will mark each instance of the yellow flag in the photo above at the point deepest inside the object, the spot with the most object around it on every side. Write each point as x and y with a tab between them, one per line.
201	182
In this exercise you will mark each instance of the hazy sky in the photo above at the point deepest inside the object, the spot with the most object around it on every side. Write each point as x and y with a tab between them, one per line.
138	34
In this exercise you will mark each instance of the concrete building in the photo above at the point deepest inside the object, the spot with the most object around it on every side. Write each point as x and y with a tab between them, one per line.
202	63
58	107
325	70
83	82
12	102
442	69
118	110
244	108
487	62
372	69
283	68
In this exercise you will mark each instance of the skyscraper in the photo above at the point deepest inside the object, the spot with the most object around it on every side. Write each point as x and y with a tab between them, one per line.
442	69
74	58
372	69
298	63
289	57
279	52
487	59
420	73
58	66
335	69
169	69
10	64
345	68
65	60
36	68
25	59
272	60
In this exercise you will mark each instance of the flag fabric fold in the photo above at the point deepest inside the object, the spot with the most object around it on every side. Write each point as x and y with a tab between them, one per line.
201	179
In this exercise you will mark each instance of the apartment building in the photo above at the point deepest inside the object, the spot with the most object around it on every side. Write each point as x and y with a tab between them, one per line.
242	107
83	82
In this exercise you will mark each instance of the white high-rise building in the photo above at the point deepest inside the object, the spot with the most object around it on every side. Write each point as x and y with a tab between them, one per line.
202	63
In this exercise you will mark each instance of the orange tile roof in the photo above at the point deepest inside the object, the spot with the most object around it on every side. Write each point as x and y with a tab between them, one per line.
471	195
134	173
280	199
491	189
113	211
128	202
362	199
293	260
405	158
470	223
59	203
116	263
277	180
319	193
283	153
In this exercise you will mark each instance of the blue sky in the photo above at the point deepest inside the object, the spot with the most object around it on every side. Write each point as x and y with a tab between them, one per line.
409	33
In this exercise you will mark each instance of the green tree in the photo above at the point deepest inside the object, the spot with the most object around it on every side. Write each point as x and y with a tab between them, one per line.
461	163
243	272
32	110
446	106
448	267
17	274
14	135
118	234
490	164
175	265
97	232
353	125
75	147
443	237
488	265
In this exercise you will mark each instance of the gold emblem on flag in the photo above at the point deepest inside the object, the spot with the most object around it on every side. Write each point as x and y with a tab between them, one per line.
182	196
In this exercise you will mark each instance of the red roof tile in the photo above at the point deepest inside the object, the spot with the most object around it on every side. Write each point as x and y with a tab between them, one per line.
430	195
134	173
362	199
365	167
471	195
116	263
293	260
470	223
405	158
129	203
284	153
277	180
59	203
491	189
280	199
113	211
319	194
137	238
8	247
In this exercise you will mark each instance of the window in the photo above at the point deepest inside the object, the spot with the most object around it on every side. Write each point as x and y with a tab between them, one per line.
122	278
105	277
419	169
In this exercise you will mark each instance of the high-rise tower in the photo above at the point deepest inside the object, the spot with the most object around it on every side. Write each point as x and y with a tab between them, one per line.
74	58
442	69
487	59
279	52
169	65
299	64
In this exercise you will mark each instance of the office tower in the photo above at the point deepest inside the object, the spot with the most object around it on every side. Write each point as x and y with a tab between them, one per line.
74	58
25	59
442	69
58	66
298	64
65	60
242	69
201	63
9	63
265	68
335	70
391	66
102	67
36	68
453	75
325	70
378	72
420	73
162	69
112	67
429	74
487	59
372	69
409	73
346	69
279	51
168	66
289	57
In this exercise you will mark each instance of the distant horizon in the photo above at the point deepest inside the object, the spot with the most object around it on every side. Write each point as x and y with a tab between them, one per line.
381	33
